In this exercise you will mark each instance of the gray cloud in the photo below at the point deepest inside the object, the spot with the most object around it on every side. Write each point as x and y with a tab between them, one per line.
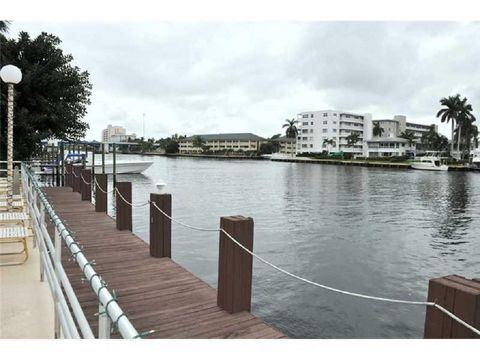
201	77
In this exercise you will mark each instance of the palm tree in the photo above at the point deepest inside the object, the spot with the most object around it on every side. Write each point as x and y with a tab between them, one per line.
292	130
465	119
378	130
409	136
449	112
329	142
352	139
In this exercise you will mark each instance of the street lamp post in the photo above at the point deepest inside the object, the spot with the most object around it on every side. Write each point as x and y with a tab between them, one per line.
10	75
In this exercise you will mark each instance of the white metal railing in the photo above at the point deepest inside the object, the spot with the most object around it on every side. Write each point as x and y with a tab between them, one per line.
51	267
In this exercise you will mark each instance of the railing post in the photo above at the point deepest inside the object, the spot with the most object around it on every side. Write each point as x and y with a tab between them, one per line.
76	178
57	261
461	297
101	201
160	226
104	323
86	189
235	265
42	221
124	210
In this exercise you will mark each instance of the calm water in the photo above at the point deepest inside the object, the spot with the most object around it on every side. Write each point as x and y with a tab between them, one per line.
374	231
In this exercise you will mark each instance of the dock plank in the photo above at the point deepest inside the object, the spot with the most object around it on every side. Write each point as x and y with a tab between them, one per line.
156	293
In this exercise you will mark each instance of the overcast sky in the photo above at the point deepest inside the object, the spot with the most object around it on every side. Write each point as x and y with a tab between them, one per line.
191	78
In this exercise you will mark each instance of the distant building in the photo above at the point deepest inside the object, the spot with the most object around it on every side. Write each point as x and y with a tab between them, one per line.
287	145
314	127
116	134
218	142
390	143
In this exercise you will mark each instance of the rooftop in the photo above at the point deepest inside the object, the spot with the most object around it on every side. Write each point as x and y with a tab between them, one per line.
227	136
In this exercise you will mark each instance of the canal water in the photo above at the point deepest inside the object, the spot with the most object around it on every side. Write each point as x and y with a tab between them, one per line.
375	231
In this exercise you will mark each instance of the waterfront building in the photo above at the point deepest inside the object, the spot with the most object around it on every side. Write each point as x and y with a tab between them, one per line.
287	145
116	134
221	142
390	143
314	127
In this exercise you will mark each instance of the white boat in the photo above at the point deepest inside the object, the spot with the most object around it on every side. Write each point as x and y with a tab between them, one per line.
432	163
121	167
475	159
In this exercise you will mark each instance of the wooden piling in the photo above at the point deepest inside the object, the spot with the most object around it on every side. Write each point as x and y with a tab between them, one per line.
101	200
235	265
124	210
68	175
76	178
461	297
86	189
160	226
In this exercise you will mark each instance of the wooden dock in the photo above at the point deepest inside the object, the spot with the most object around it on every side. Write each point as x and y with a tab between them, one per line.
156	293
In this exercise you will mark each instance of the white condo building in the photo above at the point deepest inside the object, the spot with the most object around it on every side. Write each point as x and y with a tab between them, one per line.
116	134
314	127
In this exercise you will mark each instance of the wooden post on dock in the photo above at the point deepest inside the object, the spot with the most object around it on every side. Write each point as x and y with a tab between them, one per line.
160	226
235	265
461	297
76	178
68	175
86	189
101	200
124	210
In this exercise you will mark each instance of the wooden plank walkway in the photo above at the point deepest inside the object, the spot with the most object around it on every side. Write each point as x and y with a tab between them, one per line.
156	293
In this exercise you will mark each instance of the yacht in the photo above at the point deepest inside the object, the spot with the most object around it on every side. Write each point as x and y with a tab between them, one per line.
121	167
430	162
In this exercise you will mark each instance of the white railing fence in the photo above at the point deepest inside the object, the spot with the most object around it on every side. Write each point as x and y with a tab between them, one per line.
68	324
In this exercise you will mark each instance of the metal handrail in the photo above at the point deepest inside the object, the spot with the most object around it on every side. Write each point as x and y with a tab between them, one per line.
112	309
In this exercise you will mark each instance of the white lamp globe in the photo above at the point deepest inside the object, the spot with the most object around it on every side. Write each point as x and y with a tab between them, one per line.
11	74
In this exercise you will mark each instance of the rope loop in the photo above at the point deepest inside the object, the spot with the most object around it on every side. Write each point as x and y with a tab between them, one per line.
115	323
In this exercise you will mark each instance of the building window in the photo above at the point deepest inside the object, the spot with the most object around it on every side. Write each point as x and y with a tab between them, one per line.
334	114
311	115
304	145
305	123
325	122
311	123
311	145
324	130
305	138
334	122
311	130
325	114
304	131
334	130
299	138
305	116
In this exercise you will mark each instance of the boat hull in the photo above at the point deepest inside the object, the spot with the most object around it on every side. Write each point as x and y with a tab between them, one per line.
133	167
429	168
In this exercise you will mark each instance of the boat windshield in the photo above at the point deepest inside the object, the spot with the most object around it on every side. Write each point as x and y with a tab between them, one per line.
437	163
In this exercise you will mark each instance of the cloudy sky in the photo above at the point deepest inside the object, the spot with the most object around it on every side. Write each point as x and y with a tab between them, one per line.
249	77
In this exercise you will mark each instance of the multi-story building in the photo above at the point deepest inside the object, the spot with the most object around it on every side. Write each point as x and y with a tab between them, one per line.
115	134
220	142
287	145
390	143
314	127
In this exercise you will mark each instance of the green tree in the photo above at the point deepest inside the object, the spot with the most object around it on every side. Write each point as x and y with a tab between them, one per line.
292	130
352	139
329	143
52	98
198	142
409	136
465	120
4	25
377	129
449	113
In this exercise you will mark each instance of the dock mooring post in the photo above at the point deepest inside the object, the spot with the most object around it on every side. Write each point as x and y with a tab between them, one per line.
68	175
160	226
101	200
234	292
86	189
124	210
461	297
76	171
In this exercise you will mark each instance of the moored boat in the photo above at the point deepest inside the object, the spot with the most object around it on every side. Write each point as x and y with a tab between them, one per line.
432	163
